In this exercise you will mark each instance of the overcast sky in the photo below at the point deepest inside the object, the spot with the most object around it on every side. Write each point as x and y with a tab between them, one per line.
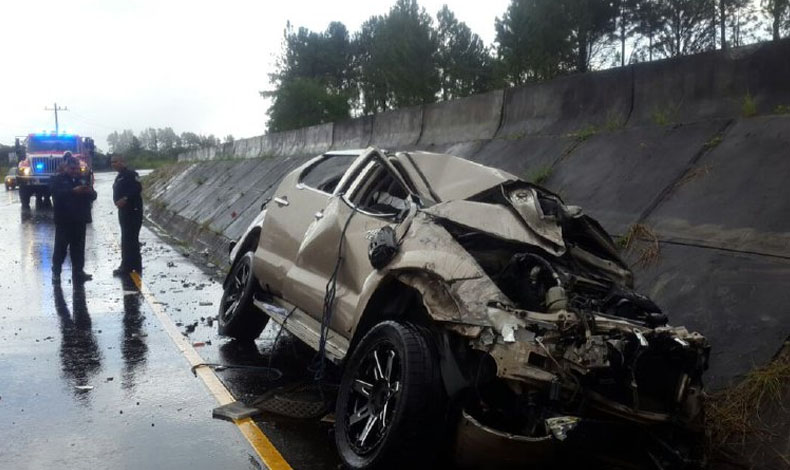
191	65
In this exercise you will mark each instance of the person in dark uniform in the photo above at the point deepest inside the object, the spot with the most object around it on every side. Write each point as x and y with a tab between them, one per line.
127	195
73	197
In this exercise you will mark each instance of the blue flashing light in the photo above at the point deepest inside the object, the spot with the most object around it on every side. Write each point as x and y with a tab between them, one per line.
39	166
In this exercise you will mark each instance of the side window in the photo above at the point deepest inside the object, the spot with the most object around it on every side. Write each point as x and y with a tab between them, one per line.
380	193
325	174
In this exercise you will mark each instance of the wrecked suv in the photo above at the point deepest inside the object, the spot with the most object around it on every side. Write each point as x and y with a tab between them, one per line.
475	317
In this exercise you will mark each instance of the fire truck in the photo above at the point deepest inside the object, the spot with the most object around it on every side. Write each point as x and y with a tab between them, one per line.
43	155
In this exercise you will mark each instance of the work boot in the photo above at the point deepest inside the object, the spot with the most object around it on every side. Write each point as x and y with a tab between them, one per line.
81	276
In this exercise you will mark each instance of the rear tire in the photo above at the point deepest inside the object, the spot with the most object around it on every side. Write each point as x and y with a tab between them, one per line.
238	317
390	405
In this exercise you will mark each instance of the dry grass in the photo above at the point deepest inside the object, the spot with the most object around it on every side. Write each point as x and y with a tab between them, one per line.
693	175
734	414
650	253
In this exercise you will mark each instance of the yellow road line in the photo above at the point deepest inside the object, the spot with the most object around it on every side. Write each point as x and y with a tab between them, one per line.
269	454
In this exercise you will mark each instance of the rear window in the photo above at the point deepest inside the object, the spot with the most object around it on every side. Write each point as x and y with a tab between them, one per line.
326	173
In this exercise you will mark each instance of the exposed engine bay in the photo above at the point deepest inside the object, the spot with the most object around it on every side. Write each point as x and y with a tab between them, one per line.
586	354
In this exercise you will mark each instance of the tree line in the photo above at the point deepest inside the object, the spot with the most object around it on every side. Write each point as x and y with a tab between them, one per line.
160	142
405	57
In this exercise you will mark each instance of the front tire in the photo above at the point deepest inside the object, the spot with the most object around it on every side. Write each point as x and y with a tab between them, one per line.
238	317
390	403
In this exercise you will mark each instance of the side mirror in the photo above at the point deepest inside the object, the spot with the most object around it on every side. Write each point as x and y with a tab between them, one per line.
383	247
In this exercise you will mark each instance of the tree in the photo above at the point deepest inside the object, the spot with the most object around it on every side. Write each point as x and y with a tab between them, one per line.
778	12
372	80
318	64
124	142
302	102
466	66
229	139
627	24
532	42
112	141
650	20
168	140
397	58
730	15
688	27
190	140
149	139
588	23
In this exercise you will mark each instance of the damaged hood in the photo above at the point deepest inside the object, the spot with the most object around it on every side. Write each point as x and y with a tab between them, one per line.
521	220
445	177
492	219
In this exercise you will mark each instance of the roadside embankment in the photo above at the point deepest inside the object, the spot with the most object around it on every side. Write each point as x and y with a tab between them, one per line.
686	160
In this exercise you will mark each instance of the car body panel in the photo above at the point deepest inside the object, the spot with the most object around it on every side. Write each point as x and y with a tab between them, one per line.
500	264
289	214
450	177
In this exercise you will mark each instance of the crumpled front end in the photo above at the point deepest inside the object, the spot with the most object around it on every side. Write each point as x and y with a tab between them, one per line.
553	349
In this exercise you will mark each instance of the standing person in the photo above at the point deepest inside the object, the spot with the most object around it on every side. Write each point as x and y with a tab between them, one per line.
73	197
127	195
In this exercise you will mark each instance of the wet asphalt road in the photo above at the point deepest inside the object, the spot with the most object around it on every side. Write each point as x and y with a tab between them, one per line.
89	378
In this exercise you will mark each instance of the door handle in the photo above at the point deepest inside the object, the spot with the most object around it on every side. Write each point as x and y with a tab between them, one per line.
281	201
319	215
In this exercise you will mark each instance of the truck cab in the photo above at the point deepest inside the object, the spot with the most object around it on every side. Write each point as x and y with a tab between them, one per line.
43	155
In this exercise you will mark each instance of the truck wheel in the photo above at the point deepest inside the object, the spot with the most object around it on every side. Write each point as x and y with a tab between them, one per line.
238	317
390	404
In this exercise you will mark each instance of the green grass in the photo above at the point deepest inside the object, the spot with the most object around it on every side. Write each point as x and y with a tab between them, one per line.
748	106
614	122
661	117
539	175
585	133
713	142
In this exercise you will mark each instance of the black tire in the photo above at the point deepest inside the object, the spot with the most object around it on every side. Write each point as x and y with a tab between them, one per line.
238	317
406	414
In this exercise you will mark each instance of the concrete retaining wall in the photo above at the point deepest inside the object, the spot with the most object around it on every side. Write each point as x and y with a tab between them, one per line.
569	104
664	145
353	133
473	118
400	128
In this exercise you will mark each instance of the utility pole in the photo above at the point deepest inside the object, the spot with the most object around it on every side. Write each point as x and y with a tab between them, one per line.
56	109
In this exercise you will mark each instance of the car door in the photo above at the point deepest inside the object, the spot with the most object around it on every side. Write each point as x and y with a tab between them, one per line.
299	199
376	196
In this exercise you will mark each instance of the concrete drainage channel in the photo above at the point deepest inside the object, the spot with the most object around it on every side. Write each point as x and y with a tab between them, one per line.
695	190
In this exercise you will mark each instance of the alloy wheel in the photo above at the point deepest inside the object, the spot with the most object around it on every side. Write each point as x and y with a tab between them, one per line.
373	398
235	291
